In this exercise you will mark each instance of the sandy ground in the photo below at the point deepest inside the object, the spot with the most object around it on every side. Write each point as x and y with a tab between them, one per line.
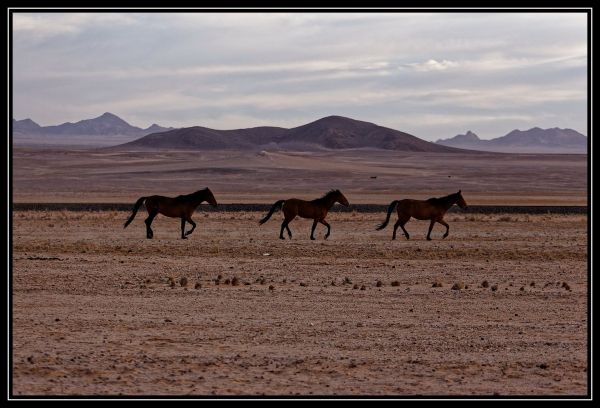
94	312
365	177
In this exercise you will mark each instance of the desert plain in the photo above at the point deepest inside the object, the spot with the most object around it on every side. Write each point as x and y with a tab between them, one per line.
498	308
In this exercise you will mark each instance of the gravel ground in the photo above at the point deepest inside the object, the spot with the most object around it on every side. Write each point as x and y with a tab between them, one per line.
497	308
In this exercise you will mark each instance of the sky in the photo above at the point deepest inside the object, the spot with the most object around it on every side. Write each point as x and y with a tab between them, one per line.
433	75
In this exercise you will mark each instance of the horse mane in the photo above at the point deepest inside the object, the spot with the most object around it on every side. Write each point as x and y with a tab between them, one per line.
442	200
191	195
328	194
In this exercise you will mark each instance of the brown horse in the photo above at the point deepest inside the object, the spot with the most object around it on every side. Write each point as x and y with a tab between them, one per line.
432	209
315	209
182	206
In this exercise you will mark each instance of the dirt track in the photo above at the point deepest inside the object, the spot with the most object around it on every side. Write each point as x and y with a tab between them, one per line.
94	312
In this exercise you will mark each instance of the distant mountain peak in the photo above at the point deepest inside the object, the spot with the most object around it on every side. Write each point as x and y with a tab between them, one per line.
107	124
106	115
467	138
534	140
25	125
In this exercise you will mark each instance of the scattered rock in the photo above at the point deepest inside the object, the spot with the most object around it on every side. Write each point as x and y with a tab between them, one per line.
543	366
347	280
566	286
494	288
332	283
235	281
271	287
198	285
355	286
437	284
219	277
359	324
532	284
522	288
168	320
363	287
302	284
458	286
485	284
379	284
395	283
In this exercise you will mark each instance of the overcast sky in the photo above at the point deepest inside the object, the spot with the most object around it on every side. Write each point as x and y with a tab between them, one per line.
432	75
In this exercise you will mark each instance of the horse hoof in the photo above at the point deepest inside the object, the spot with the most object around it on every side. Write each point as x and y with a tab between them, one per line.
428	239
281	237
184	237
312	238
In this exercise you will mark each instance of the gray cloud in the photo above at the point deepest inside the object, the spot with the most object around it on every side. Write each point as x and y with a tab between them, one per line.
430	74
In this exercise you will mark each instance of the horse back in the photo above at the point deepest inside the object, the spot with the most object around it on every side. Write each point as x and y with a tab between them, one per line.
302	208
169	206
419	209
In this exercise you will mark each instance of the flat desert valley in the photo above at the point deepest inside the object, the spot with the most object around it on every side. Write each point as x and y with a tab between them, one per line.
498	308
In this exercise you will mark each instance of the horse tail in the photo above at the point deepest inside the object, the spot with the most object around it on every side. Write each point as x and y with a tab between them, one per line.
275	207
389	212
136	207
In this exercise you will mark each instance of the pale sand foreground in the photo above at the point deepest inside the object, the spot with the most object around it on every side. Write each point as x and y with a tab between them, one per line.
94	314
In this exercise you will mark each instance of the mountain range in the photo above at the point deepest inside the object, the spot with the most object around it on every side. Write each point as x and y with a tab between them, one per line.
331	132
105	129
534	140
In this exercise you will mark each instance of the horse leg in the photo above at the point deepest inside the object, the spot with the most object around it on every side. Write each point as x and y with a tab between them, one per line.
148	222
430	228
189	219
284	225
445	224
396	225
288	231
328	228
312	231
405	231
183	228
400	223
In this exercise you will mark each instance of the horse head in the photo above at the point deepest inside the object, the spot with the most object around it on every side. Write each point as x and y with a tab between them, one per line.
210	198
461	201
341	199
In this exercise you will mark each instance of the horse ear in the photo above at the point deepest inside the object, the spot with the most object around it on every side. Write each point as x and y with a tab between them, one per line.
459	191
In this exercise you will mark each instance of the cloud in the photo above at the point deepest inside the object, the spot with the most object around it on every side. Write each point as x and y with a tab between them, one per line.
432	65
42	26
289	68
